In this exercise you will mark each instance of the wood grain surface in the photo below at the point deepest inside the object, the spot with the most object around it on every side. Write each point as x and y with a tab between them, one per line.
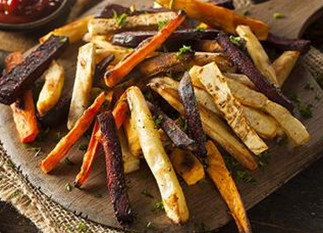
203	200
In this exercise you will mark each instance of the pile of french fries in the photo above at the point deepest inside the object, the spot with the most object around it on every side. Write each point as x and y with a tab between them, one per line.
231	111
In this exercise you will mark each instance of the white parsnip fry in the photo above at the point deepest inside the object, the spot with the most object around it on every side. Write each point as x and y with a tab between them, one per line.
294	129
74	30
222	179
257	53
157	159
131	163
82	84
102	26
215	84
105	48
284	65
52	89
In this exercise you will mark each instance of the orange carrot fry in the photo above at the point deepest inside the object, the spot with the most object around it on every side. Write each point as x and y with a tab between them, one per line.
82	124
222	179
115	75
217	16
24	117
119	112
23	110
88	157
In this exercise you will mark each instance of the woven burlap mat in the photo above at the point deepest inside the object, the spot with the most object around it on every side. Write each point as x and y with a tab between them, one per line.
50	217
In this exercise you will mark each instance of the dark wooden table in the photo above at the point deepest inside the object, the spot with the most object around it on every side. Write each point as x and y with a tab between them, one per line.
297	207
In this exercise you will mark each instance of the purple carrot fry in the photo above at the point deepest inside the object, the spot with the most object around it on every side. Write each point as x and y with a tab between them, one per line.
187	95
115	176
22	77
289	44
173	131
246	66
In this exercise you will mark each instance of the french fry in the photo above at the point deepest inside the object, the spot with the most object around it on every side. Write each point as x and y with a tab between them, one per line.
216	16
105	48
284	65
212	125
125	66
265	125
25	118
294	129
23	110
52	89
132	137
63	146
187	166
131	163
192	115
257	53
157	159
88	157
120	111
215	84
116	183
222	179
240	78
82	84
103	26
74	30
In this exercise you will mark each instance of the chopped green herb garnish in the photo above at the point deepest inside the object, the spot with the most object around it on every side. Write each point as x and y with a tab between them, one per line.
245	12
68	162
146	193
83	147
58	136
162	23
305	110
159	206
294	97
236	40
182	123
200	27
183	50
149	225
278	15
68	187
121	20
309	87
37	150
245	177
264	158
158	120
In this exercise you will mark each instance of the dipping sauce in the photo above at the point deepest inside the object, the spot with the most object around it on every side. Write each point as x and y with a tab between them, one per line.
24	11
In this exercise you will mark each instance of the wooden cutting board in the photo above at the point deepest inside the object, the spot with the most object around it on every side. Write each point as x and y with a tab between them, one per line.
205	204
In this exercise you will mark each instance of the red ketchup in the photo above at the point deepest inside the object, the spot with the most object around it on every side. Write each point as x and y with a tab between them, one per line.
24	11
